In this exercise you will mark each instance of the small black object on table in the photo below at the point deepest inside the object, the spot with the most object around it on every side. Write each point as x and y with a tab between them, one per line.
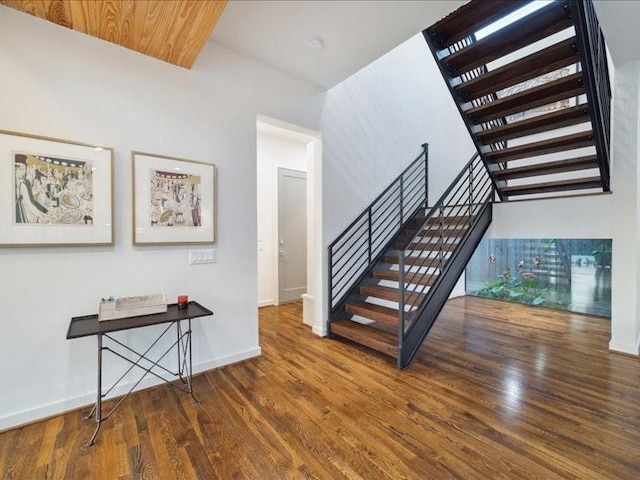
89	325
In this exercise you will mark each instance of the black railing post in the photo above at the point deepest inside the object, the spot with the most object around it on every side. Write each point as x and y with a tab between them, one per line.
401	200
425	147
470	191
401	299
440	238
330	279
369	221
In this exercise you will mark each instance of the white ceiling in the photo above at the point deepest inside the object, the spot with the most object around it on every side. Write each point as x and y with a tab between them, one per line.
354	32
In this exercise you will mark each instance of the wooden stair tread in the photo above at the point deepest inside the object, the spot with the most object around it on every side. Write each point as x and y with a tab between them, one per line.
545	94
547	168
470	18
557	186
382	341
412	278
415	261
541	24
542	123
558	144
378	313
539	63
391	294
457	219
432	246
455	231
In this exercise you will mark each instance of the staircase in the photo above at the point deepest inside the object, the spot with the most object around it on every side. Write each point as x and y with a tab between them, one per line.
534	94
400	290
535	97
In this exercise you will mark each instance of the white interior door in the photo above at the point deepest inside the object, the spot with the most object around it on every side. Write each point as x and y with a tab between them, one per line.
292	234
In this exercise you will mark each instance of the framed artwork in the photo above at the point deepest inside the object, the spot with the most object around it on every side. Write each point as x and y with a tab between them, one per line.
54	192
174	200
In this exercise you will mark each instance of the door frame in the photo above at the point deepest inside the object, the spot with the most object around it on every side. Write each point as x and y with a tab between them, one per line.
314	302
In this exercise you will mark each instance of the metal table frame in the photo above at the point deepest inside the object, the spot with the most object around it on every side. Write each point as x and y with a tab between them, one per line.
180	318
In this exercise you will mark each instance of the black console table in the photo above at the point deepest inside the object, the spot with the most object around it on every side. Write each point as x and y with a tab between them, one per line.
89	326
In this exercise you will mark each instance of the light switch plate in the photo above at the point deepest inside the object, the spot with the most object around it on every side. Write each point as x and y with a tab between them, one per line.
201	257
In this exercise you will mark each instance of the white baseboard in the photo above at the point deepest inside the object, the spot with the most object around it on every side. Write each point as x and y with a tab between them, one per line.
625	347
459	288
266	303
307	309
457	293
56	408
321	332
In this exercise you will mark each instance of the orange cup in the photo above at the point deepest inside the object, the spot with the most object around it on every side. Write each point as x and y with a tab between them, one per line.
183	301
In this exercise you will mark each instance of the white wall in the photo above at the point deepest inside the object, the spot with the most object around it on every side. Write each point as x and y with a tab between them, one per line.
601	216
64	84
275	150
373	126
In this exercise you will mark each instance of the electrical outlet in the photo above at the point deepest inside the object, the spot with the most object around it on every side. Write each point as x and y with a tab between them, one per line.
200	257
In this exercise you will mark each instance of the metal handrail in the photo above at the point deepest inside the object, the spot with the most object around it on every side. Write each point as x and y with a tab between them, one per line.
355	251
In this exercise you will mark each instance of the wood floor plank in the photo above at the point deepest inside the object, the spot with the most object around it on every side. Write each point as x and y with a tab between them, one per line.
498	391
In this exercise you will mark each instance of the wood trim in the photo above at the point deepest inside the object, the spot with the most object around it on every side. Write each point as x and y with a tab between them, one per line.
171	31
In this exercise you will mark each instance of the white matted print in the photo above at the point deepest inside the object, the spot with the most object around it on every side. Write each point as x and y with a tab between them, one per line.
54	192
174	200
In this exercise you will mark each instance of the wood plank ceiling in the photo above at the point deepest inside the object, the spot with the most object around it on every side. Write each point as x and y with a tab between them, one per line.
172	31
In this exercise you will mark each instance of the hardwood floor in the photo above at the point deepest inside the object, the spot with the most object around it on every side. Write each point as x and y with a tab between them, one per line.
497	391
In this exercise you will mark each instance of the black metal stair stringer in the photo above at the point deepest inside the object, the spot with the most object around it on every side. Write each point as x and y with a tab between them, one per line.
591	44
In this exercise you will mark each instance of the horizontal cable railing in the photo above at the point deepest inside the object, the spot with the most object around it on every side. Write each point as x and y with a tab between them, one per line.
597	85
423	258
363	242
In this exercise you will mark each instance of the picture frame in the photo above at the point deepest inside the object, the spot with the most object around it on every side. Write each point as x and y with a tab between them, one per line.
174	200
55	192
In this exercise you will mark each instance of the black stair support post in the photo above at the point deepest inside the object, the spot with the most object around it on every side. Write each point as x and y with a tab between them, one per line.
440	235
401	200
447	76
425	148
583	40
330	285
369	233
470	192
401	299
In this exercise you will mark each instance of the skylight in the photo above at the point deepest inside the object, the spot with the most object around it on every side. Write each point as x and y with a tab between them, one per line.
512	17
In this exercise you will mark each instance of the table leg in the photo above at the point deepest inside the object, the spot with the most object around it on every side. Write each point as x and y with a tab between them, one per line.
179	345
98	406
190	373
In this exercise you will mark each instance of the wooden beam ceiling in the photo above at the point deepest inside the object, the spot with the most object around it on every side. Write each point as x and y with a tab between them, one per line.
172	31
